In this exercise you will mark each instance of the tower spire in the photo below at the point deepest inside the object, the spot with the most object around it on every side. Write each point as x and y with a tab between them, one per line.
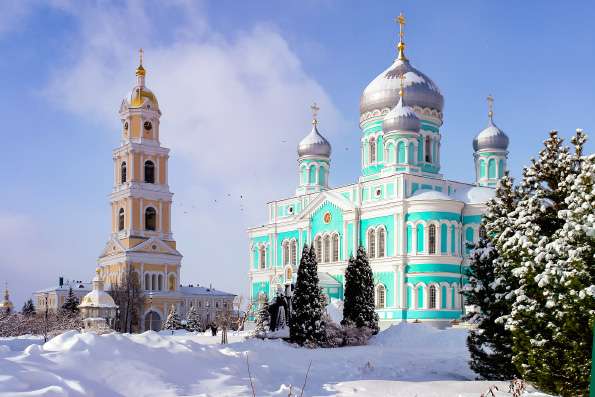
490	100
401	46
140	70
402	89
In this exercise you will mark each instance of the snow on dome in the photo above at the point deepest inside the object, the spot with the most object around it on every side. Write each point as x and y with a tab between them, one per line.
475	194
426	194
97	297
401	118
491	137
314	144
383	91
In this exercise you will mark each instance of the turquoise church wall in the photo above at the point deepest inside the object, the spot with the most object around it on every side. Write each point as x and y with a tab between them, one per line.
388	222
335	225
258	287
388	280
294	234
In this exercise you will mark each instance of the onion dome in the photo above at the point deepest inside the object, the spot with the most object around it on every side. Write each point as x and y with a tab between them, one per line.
383	91
314	144
491	137
401	117
97	298
140	93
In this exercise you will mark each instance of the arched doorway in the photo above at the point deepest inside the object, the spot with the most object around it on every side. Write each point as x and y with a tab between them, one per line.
152	321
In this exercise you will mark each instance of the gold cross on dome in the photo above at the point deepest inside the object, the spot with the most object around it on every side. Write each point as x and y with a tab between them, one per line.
401	21
140	53
490	100
315	110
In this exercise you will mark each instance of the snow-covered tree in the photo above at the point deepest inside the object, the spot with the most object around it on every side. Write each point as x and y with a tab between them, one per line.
71	304
358	307
490	344
28	308
193	320
307	325
173	320
262	318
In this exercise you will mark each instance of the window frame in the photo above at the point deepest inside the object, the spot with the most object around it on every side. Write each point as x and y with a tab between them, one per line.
150	226
432	239
149	165
380	292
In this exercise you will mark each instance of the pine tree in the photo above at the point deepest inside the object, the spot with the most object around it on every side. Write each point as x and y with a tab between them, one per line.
308	302
490	345
28	308
71	304
358	306
193	320
173	320
262	319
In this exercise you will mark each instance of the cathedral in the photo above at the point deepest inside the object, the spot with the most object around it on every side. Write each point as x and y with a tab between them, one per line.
141	245
413	222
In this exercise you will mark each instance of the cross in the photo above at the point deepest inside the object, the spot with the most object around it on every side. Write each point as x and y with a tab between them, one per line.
490	100
315	110
401	21
140	53
402	78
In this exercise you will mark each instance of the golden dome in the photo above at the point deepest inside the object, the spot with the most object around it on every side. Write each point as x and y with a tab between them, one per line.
6	304
140	92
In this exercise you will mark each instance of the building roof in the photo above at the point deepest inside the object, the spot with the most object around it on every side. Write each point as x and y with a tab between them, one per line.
327	280
204	291
475	194
426	194
76	286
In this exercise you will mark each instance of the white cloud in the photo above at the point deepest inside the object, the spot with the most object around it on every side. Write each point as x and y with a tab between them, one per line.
234	108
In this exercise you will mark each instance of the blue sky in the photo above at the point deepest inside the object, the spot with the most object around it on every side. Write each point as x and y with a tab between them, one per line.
234	81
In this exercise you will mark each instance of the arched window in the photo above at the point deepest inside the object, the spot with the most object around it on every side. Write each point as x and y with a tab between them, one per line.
401	155
432	302
380	297
411	153
381	242
335	247
147	282
327	248
261	256
491	168
318	248
371	243
294	252
123	172
312	175
482	168
432	239
500	168
150	219
160	282
286	252
153	282
428	150
322	176
171	285
149	172
121	219
372	150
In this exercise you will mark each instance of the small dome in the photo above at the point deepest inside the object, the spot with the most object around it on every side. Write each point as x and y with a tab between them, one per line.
314	144
401	118
97	297
383	91
491	137
139	94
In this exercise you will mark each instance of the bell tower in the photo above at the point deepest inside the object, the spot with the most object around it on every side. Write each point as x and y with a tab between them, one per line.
141	242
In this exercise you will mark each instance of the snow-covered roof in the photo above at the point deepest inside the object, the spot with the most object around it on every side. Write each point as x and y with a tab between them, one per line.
82	287
474	194
426	194
204	291
327	280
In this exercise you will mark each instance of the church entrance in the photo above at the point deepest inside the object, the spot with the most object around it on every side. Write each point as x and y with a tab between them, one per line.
152	321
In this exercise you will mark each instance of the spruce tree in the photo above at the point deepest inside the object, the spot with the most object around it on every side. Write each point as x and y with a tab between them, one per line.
71	304
262	319
173	320
308	302
490	345
28	308
193	320
358	306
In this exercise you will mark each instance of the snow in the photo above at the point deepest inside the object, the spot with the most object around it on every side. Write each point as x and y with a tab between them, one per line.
404	360
425	194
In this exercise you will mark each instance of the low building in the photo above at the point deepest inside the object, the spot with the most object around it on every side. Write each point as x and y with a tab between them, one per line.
208	302
55	297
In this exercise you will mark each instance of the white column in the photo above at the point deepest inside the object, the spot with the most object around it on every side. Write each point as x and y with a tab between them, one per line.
403	287
160	228
141	218
414	239
396	220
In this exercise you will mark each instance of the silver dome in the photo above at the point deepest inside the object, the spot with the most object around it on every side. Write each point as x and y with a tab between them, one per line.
491	137
314	144
383	91
401	118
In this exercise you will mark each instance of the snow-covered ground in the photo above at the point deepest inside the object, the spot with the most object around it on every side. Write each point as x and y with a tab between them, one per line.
405	360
